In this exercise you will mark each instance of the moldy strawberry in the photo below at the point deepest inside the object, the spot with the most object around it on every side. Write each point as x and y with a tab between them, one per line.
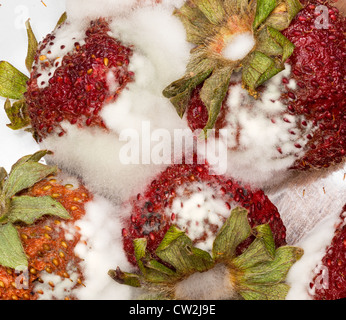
37	241
209	196
333	286
69	81
297	97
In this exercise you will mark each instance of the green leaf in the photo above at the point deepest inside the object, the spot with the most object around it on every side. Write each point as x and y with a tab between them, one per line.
17	114
263	292
293	8
197	26
212	9
283	15
4	208
264	233
180	91
32	46
61	20
140	246
263	10
12	81
37	156
159	267
286	45
177	249
3	176
234	231
214	91
257	69
25	175
29	209
262	249
274	271
12	254
126	278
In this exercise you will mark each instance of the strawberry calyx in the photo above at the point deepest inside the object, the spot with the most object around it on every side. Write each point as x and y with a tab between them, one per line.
212	26
257	273
17	208
13	85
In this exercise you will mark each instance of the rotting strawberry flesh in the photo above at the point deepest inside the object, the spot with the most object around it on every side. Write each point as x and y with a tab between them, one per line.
316	102
48	243
152	214
332	284
319	71
77	87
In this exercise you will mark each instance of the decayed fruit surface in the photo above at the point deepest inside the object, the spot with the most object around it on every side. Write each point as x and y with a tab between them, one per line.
72	83
195	200
184	209
181	270
280	103
302	109
37	231
318	71
330	282
91	80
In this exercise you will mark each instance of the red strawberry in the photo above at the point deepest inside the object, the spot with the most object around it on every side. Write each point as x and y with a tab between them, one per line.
162	204
69	81
78	88
330	282
44	243
319	72
184	210
305	113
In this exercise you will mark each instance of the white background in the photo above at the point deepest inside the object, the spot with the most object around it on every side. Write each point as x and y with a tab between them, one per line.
13	48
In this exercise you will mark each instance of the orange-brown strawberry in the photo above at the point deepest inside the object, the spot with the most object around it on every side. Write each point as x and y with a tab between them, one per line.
45	246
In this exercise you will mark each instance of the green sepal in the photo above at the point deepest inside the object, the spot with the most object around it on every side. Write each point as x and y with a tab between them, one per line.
262	249
178	250
180	91
18	114
263	10
212	10
234	231
274	43
35	157
12	81
17	208
258	273
3	176
281	19
259	69
273	270
209	24
265	278
29	209
214	91
126	278
195	23
152	270
25	174
61	20
265	292
5	204
32	46
12	254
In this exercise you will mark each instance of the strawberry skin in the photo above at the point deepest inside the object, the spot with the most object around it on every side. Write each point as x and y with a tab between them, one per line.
319	73
46	245
77	89
334	260
152	213
315	106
